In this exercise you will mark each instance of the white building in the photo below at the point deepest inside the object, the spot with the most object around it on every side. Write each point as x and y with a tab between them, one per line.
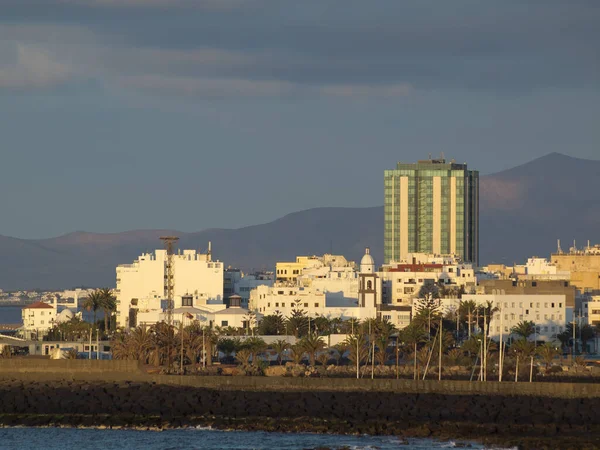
141	289
331	287
549	313
403	281
38	319
243	285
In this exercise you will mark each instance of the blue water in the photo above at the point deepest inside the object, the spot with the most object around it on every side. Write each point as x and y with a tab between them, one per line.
199	439
10	314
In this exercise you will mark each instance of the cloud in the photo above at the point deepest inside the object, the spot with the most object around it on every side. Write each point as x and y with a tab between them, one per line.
286	46
33	69
206	87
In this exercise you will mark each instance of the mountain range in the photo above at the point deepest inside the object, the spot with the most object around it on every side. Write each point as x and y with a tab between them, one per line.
523	211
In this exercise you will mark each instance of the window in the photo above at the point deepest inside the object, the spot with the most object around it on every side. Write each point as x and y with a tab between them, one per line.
534	283
537	305
545	329
224	323
527	312
513	304
187	301
387	317
283	305
306	305
276	305
42	322
520	304
545	305
531	305
41	314
316	305
553	305
280	292
560	305
553	329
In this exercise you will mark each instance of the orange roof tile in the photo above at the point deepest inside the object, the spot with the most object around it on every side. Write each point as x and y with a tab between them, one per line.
38	305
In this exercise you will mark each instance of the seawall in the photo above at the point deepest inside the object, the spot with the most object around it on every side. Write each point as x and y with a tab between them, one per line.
536	415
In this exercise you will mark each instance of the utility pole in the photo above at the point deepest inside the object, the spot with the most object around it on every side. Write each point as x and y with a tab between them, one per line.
440	359
501	357
169	242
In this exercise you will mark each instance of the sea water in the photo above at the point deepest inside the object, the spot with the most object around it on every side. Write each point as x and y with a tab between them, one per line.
202	438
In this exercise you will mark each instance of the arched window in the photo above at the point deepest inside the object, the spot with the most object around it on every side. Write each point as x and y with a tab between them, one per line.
369	285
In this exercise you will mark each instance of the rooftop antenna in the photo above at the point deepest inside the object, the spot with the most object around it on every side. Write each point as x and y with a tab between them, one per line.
558	249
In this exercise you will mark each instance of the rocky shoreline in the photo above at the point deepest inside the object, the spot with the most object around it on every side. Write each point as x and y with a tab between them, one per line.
523	422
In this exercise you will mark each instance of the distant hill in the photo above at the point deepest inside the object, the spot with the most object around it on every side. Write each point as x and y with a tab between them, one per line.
522	212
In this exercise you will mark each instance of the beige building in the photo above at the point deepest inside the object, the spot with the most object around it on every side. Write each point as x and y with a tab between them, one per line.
38	319
584	266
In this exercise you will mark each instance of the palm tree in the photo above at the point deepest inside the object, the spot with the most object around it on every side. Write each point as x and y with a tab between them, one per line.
412	336
94	302
255	345
120	346
522	349
312	344
109	305
227	346
466	310
357	349
140	343
547	352
524	329
243	356
296	353
280	346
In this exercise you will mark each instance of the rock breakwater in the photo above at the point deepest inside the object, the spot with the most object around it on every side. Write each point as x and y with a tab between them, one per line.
524	421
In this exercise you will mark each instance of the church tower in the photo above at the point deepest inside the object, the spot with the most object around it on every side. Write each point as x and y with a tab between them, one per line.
368	282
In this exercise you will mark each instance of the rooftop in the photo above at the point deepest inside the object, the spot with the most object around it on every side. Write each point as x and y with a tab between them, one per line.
38	305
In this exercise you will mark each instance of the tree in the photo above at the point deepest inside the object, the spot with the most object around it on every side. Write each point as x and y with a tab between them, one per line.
466	311
311	344
227	346
109	305
547	352
255	346
357	349
296	353
524	329
522	350
280	346
297	322
586	333
94	302
412	336
428	305
272	325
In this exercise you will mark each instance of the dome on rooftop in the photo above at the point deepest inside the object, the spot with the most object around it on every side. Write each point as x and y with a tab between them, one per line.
367	263
64	316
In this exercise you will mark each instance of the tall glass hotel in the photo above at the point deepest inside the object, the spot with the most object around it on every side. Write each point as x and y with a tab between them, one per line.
431	207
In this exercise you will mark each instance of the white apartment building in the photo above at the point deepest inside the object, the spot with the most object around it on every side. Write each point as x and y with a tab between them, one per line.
141	288
549	313
403	281
38	318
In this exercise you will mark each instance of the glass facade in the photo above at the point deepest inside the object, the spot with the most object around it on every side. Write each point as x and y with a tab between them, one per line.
441	204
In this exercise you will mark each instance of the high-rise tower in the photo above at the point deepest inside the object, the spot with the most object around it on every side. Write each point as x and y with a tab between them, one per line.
431	207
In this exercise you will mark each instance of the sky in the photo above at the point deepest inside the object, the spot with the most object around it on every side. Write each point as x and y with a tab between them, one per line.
192	114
